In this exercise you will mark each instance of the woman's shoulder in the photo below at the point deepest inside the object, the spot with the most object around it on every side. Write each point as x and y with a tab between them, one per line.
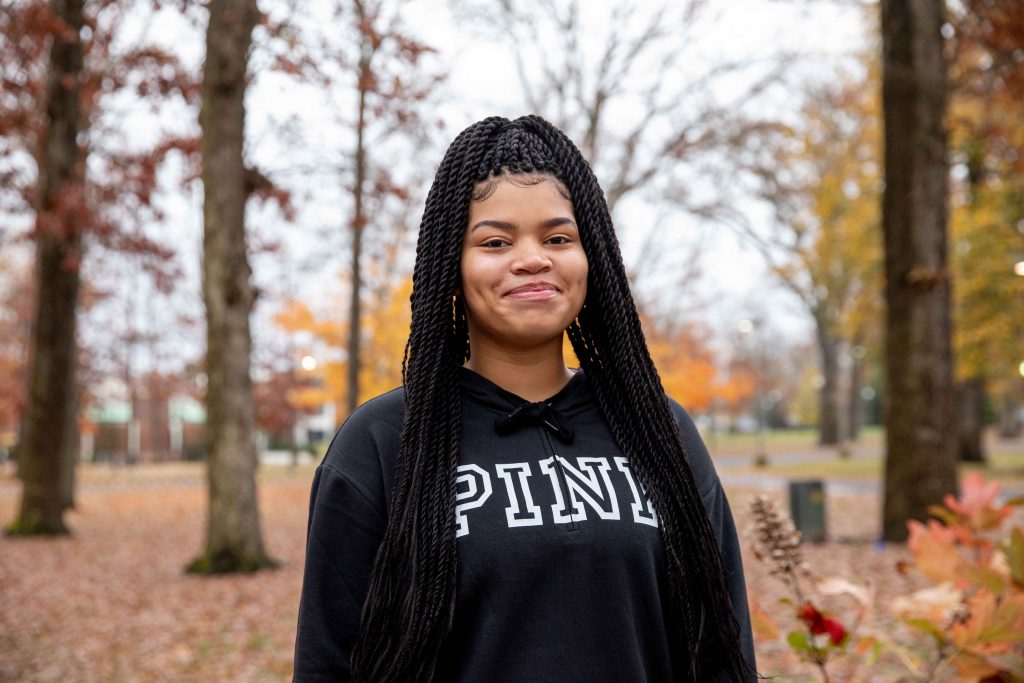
367	441
696	451
385	410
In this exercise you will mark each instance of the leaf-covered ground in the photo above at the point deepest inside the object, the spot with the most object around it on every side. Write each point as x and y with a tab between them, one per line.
111	603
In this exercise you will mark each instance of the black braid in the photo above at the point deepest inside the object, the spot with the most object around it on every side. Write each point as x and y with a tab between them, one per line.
411	602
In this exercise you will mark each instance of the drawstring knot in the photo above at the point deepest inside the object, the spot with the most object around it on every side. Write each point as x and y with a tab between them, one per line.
543	414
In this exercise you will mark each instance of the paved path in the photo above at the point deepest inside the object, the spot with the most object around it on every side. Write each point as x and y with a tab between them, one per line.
780	483
728	465
840	486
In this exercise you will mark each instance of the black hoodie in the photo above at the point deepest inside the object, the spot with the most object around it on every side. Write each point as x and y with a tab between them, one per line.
561	569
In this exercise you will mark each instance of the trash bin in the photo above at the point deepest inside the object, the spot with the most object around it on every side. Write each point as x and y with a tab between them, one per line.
807	508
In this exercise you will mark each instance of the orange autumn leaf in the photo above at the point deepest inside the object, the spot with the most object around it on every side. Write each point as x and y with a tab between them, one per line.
765	628
977	505
935	551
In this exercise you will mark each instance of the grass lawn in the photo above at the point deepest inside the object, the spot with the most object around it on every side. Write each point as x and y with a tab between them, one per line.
783	441
1006	466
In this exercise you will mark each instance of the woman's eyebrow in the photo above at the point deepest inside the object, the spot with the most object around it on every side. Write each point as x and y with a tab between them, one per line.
505	225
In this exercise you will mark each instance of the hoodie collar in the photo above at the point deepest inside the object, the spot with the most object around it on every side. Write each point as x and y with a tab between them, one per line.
552	413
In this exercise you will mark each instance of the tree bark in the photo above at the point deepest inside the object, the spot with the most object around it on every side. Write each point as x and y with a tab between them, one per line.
1010	425
72	440
970	395
830	431
921	462
234	541
855	405
358	223
58	253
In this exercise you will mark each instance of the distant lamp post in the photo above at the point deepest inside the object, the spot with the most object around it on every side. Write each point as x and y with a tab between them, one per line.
1020	369
1018	268
299	425
745	327
868	394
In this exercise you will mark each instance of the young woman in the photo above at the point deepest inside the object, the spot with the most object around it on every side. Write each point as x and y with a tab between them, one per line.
501	517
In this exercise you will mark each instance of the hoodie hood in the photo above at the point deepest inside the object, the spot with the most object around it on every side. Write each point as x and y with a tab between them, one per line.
513	412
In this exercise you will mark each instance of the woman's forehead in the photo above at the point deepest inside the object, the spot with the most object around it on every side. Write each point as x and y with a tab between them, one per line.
509	199
484	188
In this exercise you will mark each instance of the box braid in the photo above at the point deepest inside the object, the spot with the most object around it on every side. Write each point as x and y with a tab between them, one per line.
411	602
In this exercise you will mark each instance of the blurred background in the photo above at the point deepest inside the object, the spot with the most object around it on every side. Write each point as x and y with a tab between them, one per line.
739	144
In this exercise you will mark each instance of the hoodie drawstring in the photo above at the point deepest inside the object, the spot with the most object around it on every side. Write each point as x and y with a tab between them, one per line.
543	414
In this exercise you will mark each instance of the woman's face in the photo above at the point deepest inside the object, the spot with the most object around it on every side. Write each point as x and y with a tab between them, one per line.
524	272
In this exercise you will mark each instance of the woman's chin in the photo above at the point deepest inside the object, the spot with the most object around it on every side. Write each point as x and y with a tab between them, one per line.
524	337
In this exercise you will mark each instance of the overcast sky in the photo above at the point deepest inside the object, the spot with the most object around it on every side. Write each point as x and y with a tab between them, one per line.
482	81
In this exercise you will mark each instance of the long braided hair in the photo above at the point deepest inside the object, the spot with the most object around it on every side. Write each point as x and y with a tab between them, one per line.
411	602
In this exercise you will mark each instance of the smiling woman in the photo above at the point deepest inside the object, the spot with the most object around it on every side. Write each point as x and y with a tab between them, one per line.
524	280
500	516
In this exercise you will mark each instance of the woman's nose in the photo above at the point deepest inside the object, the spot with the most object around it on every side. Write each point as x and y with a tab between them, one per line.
531	258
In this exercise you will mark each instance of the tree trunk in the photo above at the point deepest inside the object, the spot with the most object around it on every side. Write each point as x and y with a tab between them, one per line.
855	405
234	541
58	253
70	452
358	223
1010	424
921	462
970	395
829	412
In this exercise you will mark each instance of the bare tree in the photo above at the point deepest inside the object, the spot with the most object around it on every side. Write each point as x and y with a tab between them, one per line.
824	244
58	252
379	85
621	90
62	64
234	541
391	88
921	439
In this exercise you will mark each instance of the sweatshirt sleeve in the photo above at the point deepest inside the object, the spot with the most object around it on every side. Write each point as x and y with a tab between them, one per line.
717	506
347	520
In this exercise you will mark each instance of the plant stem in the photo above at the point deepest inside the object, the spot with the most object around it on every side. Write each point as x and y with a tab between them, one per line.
940	657
819	655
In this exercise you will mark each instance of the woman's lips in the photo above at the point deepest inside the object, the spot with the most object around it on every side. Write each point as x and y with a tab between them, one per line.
533	293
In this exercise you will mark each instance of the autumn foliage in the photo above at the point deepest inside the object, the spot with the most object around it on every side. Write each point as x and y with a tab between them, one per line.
118	196
385	331
817	636
686	362
690	371
975	611
967	625
986	123
819	624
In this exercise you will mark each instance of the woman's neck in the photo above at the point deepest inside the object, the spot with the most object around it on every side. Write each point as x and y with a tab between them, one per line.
535	374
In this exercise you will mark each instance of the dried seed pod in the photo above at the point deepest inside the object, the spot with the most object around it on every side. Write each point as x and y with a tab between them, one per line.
777	540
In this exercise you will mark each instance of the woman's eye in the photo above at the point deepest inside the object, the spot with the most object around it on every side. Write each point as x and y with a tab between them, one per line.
494	243
559	239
